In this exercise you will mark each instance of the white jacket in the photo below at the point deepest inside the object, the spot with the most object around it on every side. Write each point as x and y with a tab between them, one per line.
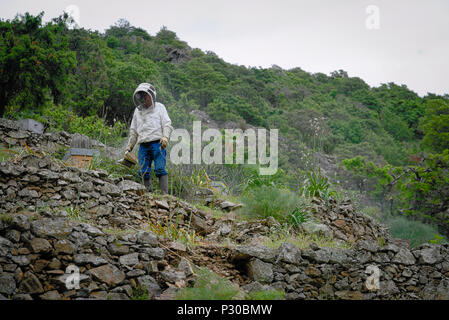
150	124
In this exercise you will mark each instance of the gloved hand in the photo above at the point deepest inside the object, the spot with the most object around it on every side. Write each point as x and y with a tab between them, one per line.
164	142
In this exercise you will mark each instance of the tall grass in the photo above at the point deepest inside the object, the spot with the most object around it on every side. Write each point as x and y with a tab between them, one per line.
265	201
208	286
415	231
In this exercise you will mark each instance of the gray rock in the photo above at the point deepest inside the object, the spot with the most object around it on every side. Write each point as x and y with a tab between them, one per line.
22	260
22	296
91	230
72	177
436	292
151	285
145	237
70	194
404	256
129	259
173	276
83	259
289	253
387	288
135	273
391	247
118	249
52	227
162	204
313	228
5	246
48	175
117	296
199	224
156	253
101	210
13	235
86	186
128	185
261	252
322	255
30	284
40	245
108	274
28	193
7	284
8	169
338	256
18	134
64	247
79	239
367	246
21	222
254	286
260	271
230	206
51	295
430	255
110	189
185	266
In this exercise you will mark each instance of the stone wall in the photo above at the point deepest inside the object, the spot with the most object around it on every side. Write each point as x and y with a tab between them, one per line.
55	217
333	273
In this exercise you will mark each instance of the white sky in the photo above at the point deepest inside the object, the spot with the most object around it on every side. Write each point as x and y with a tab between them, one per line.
411	45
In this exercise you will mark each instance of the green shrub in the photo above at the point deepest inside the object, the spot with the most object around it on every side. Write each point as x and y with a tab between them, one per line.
415	231
59	118
208	286
298	216
316	185
265	201
266	295
140	293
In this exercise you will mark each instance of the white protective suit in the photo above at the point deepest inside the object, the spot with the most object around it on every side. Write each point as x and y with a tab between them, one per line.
150	124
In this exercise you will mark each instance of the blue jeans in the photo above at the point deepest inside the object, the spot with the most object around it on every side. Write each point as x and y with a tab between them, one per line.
149	152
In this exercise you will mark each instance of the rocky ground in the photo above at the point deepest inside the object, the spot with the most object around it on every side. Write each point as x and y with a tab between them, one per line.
59	222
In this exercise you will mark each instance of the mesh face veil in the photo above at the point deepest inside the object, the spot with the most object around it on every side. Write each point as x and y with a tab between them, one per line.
139	95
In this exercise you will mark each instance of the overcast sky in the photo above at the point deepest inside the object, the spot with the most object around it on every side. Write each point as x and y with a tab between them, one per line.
401	41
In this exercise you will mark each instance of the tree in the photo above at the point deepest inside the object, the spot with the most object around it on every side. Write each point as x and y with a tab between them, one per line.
34	59
435	126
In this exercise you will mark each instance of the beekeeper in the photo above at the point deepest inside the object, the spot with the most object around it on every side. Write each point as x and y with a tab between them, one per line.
151	129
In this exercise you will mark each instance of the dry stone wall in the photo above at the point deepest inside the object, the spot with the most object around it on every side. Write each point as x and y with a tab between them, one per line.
58	222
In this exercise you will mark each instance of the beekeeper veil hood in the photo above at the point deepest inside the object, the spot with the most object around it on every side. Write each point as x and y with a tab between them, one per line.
139	95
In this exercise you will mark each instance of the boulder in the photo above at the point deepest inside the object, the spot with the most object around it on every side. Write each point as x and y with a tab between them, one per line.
260	271
7	284
108	274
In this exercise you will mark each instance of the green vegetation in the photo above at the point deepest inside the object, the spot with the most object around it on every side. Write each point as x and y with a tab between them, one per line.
316	185
415	231
76	213
208	286
301	240
263	202
140	293
6	218
82	81
171	230
266	295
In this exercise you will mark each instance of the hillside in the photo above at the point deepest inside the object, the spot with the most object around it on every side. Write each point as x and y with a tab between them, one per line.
69	233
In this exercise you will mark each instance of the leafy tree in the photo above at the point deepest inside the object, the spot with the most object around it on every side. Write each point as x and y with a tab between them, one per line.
435	125
34	59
